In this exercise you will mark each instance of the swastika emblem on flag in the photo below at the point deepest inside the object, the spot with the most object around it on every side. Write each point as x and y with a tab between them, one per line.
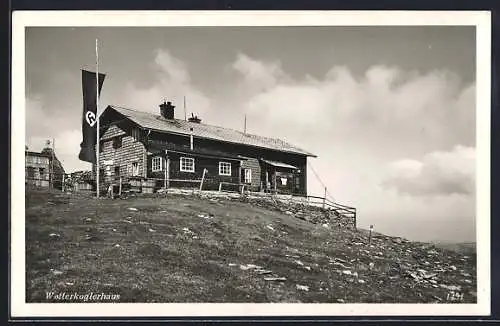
90	118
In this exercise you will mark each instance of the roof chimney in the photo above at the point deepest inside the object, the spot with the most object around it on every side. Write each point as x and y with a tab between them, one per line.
194	118
167	110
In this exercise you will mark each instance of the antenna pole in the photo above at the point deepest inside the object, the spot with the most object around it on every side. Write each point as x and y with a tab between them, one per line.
185	117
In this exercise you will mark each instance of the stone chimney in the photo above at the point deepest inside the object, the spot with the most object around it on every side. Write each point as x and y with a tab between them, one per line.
167	110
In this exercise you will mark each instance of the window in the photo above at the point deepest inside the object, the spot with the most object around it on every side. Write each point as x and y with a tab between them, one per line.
156	163
224	168
117	171
43	176
187	164
135	169
136	134
117	142
248	176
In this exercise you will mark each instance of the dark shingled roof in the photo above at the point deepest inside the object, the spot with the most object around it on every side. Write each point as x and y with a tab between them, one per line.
201	130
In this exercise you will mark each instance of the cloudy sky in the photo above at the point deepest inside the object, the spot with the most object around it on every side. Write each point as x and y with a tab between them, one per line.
390	111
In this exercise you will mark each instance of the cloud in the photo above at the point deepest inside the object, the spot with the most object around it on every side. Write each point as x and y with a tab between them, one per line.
439	173
172	81
258	75
172	67
385	105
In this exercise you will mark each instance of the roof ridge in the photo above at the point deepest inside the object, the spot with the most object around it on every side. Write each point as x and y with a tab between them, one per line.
204	124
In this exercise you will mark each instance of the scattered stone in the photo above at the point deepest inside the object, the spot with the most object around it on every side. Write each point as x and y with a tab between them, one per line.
114	230
54	235
88	219
56	272
117	245
232	264
302	287
70	283
270	227
133	209
340	300
298	262
264	272
361	281
151	230
278	279
127	221
326	226
249	266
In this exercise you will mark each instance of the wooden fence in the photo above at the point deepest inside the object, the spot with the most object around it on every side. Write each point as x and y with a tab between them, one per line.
122	185
326	203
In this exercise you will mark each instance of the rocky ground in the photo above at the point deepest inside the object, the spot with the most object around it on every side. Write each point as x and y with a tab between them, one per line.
185	248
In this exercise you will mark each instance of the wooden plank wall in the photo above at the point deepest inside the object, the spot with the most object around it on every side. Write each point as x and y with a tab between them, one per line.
254	165
130	151
212	177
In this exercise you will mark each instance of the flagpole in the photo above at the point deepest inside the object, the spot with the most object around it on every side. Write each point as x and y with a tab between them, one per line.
97	114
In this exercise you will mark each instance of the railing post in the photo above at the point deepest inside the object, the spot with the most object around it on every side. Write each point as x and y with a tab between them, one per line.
324	199
165	179
202	179
370	238
120	187
167	171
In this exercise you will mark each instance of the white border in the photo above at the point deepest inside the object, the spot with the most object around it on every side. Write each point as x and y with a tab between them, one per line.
21	19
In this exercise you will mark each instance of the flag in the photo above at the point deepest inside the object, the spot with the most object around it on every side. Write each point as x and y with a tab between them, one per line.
89	115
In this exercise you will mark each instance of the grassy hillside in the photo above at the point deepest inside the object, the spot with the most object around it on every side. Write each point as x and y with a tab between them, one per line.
189	249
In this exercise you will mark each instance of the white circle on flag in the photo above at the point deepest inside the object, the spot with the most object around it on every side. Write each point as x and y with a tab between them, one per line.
90	118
